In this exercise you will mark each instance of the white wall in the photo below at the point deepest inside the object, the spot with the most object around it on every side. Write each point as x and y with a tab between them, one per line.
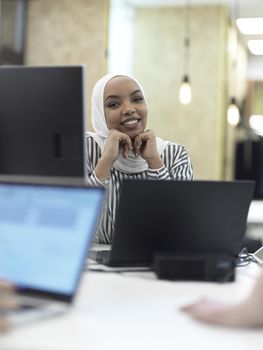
120	45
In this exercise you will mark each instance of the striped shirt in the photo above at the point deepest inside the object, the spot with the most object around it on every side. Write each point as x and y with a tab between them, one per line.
177	166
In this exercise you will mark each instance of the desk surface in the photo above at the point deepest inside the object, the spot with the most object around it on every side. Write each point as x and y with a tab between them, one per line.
134	311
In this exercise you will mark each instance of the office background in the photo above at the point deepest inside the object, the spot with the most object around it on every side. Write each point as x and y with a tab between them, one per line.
148	42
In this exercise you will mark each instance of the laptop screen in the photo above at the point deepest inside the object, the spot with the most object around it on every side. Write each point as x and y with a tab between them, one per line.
45	232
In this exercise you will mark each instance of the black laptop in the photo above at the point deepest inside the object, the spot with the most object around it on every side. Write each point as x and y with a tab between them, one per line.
177	217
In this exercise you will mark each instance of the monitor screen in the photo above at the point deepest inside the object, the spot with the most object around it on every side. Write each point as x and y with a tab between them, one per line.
42	120
45	232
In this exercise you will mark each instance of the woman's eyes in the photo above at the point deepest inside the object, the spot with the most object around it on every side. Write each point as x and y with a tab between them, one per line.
138	99
116	104
113	104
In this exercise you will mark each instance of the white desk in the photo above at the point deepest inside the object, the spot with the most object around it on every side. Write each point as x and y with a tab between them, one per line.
135	311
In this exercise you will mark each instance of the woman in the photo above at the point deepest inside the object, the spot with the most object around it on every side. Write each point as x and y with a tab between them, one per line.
123	148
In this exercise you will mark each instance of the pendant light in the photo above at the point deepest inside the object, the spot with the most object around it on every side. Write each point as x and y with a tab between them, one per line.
233	114
185	92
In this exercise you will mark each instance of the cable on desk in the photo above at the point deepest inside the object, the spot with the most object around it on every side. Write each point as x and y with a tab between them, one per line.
245	258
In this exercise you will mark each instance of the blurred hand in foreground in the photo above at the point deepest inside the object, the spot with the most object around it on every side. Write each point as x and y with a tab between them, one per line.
248	313
7	303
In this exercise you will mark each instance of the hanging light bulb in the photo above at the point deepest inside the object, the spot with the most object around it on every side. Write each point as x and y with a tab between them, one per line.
233	115
185	92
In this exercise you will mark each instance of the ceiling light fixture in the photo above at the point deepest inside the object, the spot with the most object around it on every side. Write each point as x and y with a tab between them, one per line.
255	47
185	92
250	26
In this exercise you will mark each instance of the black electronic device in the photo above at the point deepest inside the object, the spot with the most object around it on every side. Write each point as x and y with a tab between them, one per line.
42	120
194	266
178	217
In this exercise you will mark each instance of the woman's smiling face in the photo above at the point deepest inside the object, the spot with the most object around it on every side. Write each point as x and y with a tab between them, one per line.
124	106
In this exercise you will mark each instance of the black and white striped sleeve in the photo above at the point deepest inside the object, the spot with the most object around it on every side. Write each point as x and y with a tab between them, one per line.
177	164
92	156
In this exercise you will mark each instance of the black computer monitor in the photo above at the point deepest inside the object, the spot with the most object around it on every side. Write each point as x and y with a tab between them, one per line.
42	120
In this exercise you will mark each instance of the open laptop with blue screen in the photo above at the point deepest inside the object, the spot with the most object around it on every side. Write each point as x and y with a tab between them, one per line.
45	234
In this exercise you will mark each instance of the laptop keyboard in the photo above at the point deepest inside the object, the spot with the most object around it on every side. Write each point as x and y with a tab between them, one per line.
26	303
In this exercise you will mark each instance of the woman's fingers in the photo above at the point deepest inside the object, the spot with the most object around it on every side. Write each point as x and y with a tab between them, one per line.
117	142
145	145
140	142
125	150
125	144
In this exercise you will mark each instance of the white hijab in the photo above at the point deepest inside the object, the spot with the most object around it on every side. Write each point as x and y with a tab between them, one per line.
131	164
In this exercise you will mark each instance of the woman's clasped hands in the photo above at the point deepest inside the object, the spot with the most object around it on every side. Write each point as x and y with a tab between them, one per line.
144	145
